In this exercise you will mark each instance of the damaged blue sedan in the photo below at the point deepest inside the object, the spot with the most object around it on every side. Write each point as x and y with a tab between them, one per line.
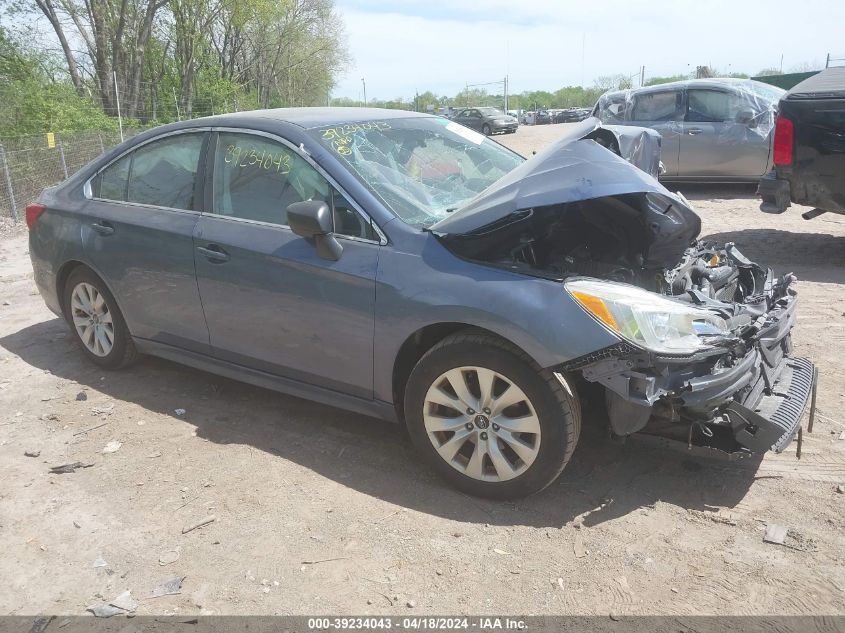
405	267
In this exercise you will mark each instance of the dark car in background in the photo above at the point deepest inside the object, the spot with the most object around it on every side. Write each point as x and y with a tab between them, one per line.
713	129
571	115
809	148
486	120
403	266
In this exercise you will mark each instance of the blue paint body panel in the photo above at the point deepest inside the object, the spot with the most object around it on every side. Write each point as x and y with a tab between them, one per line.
275	313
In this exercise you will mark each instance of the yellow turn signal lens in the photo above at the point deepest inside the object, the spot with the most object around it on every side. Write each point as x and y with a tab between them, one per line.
597	308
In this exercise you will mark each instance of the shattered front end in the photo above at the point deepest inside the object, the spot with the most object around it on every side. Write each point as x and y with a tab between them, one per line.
704	353
742	391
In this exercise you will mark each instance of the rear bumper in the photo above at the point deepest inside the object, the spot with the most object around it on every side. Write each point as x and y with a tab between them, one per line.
774	192
804	186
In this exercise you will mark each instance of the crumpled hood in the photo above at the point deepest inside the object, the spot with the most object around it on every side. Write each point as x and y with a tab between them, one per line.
570	170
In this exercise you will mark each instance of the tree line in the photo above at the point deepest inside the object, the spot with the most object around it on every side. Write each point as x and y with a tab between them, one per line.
566	97
162	60
159	60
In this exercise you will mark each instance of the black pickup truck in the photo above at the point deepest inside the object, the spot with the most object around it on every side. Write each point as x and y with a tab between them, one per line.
809	148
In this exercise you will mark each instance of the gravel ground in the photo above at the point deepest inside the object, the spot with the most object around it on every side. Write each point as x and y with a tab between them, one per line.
322	511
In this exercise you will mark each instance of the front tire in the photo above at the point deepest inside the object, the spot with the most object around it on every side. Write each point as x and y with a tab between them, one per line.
488	419
485	130
96	321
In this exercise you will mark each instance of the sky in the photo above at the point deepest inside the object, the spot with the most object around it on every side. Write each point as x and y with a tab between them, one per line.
403	46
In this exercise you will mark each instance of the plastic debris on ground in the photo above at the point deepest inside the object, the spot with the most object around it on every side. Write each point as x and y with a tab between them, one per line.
169	587
775	534
124	603
112	447
68	468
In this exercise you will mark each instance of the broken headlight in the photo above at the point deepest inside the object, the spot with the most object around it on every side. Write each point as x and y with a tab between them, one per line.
646	319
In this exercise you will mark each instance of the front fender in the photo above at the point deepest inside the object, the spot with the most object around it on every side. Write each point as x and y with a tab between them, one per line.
432	286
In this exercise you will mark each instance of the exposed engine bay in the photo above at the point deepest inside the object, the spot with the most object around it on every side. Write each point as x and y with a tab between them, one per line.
740	393
638	239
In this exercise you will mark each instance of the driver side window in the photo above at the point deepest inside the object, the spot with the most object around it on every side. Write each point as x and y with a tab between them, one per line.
712	106
257	178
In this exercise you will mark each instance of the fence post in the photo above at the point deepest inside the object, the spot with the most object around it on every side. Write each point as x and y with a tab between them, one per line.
102	147
62	155
8	183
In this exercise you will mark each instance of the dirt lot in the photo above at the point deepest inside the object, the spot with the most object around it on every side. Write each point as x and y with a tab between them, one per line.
322	511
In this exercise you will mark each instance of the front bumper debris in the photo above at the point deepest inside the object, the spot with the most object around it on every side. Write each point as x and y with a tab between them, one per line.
774	420
747	397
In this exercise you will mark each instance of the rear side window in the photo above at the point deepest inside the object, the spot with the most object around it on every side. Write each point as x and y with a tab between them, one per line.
257	178
111	183
658	106
162	173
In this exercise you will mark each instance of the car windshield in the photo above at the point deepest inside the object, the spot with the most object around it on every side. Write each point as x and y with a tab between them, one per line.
421	168
490	111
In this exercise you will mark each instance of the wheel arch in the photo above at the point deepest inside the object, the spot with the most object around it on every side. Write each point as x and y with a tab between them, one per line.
65	272
62	276
418	343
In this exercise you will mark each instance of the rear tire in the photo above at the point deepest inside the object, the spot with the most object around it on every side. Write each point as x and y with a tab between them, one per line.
96	321
513	426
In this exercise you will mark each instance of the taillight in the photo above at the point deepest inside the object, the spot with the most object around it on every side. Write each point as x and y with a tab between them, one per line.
33	212
784	141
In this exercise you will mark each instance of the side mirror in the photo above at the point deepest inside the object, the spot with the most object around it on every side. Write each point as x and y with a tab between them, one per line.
746	117
313	220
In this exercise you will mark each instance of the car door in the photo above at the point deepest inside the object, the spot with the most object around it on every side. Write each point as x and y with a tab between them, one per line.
662	111
271	302
720	136
142	211
474	120
463	117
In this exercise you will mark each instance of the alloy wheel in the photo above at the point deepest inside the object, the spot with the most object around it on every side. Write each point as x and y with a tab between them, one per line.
481	423
92	319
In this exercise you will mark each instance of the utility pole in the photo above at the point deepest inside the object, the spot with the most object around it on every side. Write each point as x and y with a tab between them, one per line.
364	83
506	94
583	49
642	77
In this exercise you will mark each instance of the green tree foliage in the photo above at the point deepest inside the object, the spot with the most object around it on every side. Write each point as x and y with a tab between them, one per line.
654	81
32	101
160	60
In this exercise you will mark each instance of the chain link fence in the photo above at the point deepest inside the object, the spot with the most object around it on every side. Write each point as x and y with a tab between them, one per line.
29	164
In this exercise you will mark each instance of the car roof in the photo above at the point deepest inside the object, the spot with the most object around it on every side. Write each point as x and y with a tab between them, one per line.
307	118
722	82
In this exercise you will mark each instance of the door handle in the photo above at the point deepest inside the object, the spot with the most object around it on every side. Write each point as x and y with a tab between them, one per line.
214	253
103	228
694	130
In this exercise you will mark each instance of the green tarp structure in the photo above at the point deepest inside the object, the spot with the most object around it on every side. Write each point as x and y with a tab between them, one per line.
785	81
